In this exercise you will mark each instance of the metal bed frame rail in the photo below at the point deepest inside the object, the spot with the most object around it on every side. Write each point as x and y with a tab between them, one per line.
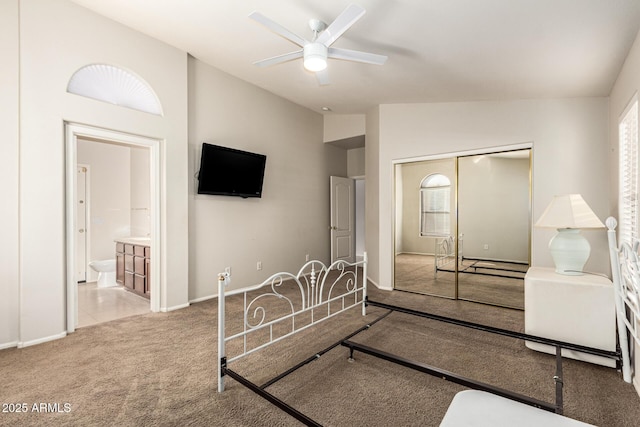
223	368
556	407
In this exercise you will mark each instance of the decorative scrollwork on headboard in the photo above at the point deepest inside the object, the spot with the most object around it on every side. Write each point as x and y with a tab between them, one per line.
296	302
259	310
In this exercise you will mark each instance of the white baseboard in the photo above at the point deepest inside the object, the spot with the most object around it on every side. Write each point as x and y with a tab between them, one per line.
8	345
175	307
382	288
415	253
192	301
636	384
22	344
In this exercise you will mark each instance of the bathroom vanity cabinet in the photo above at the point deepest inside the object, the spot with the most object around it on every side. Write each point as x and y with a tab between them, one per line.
133	266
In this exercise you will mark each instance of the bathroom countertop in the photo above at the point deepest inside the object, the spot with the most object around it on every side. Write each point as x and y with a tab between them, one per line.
140	241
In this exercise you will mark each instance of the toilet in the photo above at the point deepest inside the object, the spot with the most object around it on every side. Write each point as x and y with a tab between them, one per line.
106	272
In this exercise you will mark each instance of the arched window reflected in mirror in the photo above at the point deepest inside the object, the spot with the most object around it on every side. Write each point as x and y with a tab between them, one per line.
462	227
425	224
435	206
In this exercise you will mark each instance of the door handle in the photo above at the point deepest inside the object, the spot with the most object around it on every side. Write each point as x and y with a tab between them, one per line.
81	230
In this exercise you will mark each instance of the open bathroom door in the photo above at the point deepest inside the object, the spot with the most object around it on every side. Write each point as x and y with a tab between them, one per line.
81	218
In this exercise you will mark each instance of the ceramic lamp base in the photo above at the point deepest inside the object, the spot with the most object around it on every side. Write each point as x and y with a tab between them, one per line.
570	251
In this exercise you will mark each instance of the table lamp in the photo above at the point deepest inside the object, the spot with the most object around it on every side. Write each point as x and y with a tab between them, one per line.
569	214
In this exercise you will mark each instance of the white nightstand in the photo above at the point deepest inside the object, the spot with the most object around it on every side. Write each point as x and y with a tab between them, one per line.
575	309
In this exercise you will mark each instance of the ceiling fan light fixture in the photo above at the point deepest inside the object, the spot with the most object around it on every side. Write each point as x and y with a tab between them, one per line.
315	56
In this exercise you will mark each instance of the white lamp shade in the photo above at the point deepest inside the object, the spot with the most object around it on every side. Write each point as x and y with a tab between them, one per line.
569	211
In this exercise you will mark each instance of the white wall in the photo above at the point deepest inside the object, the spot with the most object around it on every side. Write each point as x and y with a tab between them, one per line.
569	138
372	198
9	184
343	126
56	39
356	162
140	192
292	217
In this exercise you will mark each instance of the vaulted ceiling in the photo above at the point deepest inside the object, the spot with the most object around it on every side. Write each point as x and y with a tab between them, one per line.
438	50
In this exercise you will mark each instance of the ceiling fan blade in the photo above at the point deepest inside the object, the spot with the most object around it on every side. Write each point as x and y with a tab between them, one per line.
279	59
322	77
346	19
357	56
277	28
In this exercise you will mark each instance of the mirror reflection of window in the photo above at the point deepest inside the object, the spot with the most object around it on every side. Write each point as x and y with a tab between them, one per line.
435	203
484	197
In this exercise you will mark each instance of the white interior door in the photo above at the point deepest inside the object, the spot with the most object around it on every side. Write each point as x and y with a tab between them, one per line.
342	219
81	218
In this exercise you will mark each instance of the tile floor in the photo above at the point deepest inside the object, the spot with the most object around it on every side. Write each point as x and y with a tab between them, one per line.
98	305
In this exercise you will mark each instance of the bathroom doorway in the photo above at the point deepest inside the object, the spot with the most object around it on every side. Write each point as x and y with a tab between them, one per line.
129	205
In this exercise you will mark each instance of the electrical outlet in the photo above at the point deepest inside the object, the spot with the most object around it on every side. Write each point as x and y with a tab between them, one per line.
227	270
259	266
486	247
307	257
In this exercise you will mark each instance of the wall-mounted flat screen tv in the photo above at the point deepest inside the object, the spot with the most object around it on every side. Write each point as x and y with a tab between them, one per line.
230	172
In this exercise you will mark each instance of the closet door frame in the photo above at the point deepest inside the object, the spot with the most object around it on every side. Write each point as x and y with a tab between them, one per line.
455	156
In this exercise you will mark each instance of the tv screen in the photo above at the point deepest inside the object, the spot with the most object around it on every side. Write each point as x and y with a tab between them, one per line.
230	172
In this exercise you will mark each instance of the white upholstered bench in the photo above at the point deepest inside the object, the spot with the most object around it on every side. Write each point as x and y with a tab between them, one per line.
474	408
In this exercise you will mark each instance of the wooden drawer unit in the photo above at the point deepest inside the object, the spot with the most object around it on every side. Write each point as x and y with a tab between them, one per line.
138	265
128	279
147	270
133	267
120	268
128	263
139	283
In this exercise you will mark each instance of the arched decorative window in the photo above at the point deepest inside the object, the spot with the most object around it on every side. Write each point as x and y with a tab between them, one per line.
116	86
435	206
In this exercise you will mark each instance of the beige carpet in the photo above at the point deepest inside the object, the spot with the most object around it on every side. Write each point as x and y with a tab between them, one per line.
160	369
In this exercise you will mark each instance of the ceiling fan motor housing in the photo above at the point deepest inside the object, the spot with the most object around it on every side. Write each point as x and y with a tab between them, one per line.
317	26
315	56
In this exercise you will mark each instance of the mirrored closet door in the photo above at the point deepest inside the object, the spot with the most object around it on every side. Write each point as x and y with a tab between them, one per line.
462	227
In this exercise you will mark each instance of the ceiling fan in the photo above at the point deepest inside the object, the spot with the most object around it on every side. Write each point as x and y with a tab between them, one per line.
316	52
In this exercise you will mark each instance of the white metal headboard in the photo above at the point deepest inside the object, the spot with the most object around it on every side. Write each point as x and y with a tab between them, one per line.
317	289
626	281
